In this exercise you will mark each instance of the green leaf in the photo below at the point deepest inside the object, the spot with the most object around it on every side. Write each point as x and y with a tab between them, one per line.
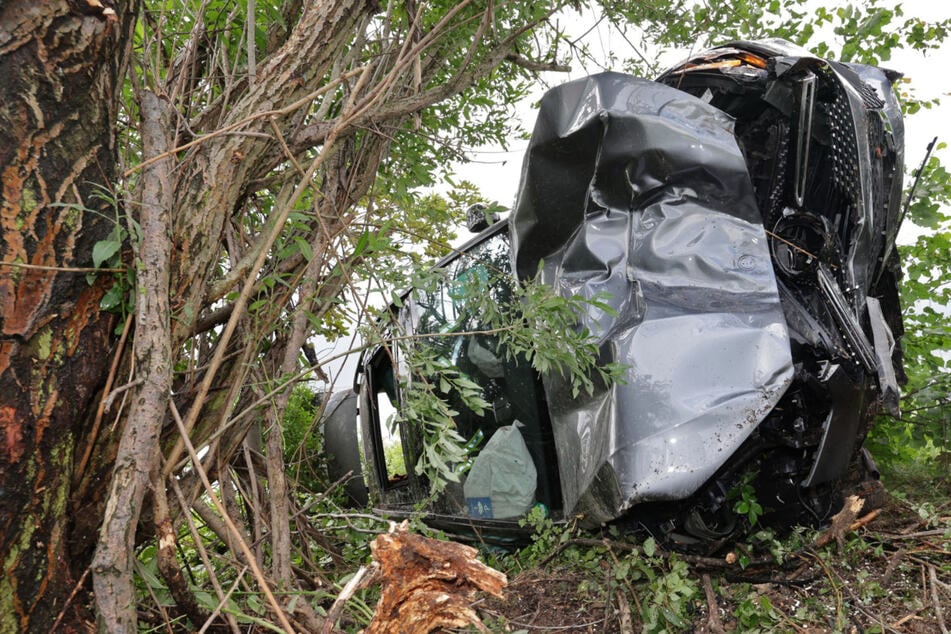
103	251
305	249
362	243
257	305
650	547
113	298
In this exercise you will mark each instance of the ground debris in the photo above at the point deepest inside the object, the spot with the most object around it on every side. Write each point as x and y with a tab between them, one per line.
880	580
842	522
428	584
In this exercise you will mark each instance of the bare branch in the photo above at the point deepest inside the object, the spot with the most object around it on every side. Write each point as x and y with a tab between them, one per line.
535	66
139	444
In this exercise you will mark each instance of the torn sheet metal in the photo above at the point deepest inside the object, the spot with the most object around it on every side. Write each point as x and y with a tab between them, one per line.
737	214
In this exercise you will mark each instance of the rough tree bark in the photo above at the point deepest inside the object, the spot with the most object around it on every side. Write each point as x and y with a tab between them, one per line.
59	67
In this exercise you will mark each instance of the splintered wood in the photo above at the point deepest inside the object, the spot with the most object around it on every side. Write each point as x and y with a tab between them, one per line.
842	522
428	584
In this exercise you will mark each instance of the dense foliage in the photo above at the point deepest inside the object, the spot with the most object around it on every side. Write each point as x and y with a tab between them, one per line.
918	445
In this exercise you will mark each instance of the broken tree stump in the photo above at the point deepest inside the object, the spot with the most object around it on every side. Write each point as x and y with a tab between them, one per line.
841	522
428	584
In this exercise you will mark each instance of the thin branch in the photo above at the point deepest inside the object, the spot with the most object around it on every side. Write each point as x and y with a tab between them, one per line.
456	84
69	599
203	554
222	602
345	595
152	349
536	66
242	301
61	269
165	557
287	151
251	46
166	621
100	410
236	534
107	403
303	101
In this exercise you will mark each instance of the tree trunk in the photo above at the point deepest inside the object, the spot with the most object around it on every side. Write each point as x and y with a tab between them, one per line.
59	67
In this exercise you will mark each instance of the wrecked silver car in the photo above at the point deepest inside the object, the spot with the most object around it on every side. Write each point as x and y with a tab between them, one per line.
740	213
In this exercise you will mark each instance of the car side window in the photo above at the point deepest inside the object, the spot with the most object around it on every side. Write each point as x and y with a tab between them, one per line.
443	319
457	332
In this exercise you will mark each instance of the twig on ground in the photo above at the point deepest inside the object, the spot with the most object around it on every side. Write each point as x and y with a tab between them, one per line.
922	561
798	572
893	565
865	519
936	600
713	617
929	533
906	618
624	614
554	628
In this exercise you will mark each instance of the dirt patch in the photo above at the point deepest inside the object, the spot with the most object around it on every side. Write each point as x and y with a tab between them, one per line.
559	599
890	575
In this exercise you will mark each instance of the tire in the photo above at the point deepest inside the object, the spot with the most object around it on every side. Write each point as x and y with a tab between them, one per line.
342	445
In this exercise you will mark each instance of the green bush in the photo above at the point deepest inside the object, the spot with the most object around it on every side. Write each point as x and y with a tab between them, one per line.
303	442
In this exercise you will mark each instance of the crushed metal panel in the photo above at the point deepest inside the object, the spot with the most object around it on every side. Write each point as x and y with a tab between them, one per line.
638	190
824	143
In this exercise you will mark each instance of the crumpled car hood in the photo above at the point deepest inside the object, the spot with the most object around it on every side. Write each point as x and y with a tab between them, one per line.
637	190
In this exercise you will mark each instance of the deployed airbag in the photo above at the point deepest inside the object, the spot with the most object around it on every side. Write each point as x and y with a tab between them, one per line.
501	482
